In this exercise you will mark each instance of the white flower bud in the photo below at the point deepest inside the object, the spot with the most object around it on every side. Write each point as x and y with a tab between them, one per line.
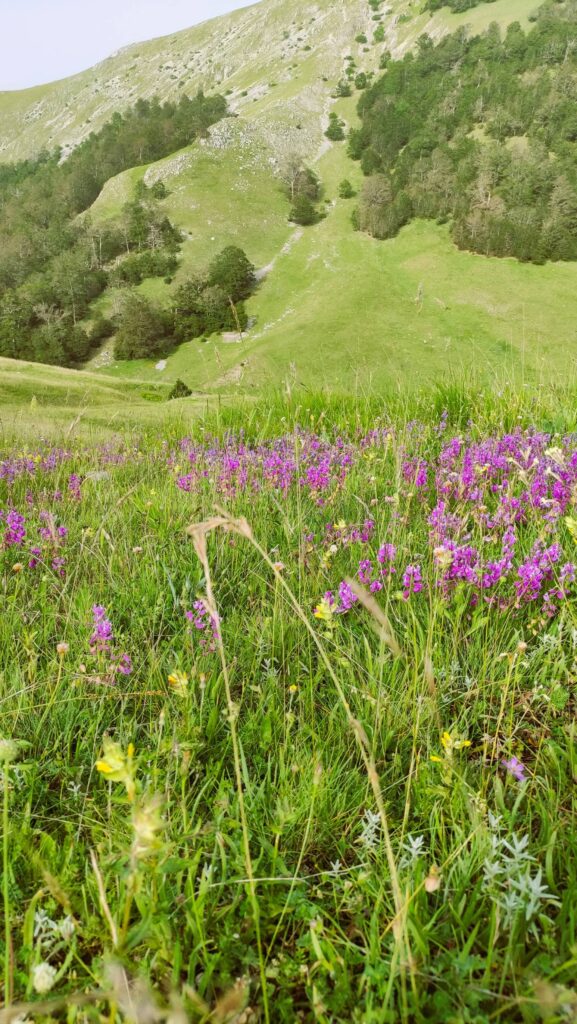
43	978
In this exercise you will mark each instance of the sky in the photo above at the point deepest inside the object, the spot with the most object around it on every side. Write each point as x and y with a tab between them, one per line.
43	40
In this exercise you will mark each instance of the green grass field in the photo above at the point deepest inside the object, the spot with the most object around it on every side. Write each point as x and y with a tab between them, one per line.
260	811
46	401
341	310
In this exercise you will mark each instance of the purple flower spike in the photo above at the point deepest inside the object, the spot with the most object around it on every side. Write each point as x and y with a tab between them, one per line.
412	581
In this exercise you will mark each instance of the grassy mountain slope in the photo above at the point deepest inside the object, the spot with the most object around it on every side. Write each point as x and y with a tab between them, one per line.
45	397
214	55
339	308
43	401
268	56
334	308
221	188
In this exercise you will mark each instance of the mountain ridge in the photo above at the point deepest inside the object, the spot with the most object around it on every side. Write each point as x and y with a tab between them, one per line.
212	55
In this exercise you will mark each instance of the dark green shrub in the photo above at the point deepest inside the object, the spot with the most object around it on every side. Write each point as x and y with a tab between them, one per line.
180	390
343	89
303	212
336	129
100	329
143	330
346	190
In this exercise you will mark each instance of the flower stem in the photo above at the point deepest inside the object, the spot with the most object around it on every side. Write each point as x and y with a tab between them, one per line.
6	893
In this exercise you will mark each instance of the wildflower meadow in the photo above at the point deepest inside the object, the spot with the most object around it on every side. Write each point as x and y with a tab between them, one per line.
287	715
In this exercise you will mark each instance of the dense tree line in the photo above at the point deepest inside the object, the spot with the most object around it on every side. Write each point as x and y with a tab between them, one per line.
480	132
456	6
40	318
53	263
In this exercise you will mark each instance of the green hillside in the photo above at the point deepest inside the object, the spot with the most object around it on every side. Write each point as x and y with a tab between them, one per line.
334	307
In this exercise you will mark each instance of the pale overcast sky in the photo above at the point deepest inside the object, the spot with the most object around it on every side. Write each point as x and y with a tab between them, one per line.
42	40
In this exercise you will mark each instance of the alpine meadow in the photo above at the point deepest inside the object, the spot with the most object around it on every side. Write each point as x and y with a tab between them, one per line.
288	522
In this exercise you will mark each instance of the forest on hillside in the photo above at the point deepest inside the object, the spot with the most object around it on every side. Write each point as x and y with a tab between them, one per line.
53	263
480	132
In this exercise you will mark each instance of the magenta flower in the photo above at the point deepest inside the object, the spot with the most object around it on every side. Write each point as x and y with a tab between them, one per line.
347	598
102	633
74	487
15	528
102	642
124	665
386	556
515	768
36	554
206	625
365	571
412	581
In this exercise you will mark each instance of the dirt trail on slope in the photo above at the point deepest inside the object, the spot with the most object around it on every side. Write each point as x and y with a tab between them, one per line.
294	238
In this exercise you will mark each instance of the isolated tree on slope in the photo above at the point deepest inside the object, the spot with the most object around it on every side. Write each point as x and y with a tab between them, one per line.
303	212
233	272
299	180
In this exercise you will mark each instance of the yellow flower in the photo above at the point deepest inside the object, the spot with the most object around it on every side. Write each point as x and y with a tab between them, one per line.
117	766
327	559
340	525
571	525
451	743
324	611
293	689
18	567
178	682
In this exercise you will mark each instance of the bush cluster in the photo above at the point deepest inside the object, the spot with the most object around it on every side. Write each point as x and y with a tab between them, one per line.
203	305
